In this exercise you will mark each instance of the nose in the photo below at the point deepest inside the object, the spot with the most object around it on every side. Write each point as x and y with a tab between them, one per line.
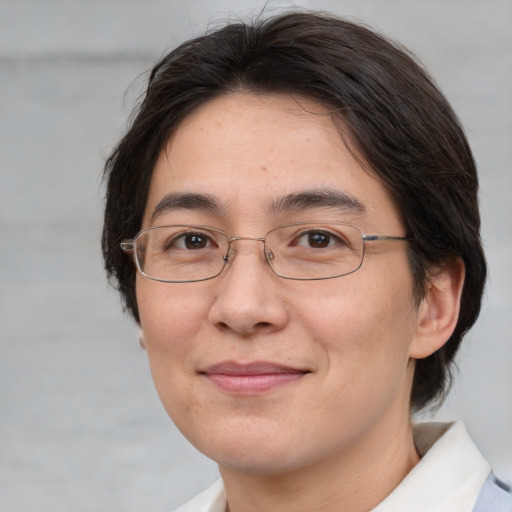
249	298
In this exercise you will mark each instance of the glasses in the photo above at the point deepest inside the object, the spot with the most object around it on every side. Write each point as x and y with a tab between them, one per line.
306	251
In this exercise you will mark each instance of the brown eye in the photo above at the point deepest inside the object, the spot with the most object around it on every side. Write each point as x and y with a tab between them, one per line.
195	241
318	240
189	241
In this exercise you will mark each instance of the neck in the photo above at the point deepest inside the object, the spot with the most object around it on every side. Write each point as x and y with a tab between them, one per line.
353	480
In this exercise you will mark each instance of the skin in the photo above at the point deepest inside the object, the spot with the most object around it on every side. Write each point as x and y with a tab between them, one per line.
317	441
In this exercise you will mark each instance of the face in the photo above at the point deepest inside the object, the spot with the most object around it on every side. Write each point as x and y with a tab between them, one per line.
260	373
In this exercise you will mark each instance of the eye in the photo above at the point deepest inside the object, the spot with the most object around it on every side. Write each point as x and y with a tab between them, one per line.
190	241
318	239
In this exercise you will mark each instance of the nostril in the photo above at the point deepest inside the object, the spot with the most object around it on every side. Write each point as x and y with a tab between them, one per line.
263	325
222	326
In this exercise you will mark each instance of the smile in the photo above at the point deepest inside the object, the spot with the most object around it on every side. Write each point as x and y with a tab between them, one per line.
251	378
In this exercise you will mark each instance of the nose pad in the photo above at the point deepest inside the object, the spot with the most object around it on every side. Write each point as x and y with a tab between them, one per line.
269	254
228	257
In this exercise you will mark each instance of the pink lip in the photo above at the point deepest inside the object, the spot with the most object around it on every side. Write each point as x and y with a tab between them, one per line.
251	378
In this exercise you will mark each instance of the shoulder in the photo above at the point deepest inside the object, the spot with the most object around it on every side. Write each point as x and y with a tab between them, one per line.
495	496
212	499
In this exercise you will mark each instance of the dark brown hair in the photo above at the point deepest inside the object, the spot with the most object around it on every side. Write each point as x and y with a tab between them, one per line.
394	116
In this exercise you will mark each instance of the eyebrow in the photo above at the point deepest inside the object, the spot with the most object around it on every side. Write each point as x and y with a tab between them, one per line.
186	201
296	201
318	198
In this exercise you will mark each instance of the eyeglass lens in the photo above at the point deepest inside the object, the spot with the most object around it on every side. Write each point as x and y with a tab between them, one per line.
297	251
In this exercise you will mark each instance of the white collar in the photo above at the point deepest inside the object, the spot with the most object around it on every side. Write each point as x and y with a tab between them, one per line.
448	478
212	499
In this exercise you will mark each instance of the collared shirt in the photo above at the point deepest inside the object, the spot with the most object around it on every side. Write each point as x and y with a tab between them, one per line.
449	478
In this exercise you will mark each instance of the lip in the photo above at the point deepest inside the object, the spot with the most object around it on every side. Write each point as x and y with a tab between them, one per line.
252	378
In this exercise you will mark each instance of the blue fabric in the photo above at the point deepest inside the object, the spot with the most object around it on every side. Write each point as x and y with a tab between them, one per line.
495	496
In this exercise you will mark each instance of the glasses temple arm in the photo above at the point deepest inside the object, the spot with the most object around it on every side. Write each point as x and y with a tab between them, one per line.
372	238
127	245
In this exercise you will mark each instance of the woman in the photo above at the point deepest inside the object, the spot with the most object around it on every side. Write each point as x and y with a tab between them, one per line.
292	219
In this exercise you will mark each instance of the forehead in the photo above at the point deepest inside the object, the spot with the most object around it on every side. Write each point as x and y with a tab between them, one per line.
249	153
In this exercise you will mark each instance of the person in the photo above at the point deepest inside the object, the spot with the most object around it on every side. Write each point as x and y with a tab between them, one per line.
292	219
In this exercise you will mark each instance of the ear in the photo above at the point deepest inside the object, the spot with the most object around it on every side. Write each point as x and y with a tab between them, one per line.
439	310
142	341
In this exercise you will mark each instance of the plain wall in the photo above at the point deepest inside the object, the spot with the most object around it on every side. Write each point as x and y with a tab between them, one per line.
81	427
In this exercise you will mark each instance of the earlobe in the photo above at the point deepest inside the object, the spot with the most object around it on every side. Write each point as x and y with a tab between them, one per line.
142	341
439	310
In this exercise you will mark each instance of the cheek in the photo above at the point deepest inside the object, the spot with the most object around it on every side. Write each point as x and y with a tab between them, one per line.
171	320
364	331
169	316
170	324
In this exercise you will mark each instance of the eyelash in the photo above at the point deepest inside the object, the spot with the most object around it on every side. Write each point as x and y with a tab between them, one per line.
181	239
334	239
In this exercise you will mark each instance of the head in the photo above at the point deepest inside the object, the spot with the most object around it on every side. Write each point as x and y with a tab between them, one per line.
389	114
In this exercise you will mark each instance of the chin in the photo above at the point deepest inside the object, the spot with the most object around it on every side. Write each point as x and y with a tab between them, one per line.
260	462
251	446
262	453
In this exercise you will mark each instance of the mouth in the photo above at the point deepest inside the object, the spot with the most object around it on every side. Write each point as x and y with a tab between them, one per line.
251	378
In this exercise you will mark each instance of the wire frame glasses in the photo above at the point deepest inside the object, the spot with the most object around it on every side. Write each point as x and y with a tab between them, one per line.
303	251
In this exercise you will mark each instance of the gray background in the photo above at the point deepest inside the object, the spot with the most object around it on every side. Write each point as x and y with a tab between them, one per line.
81	427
